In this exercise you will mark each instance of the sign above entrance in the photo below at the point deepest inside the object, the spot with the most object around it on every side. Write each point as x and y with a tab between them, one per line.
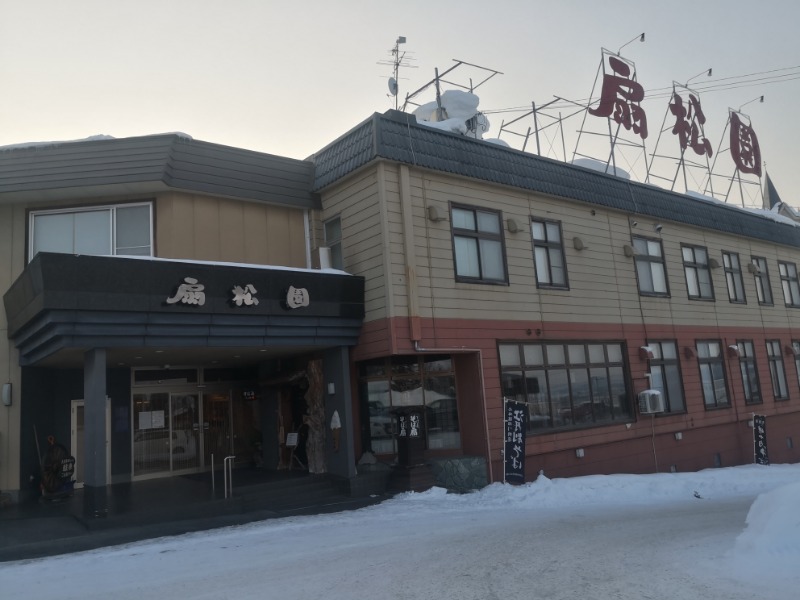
192	292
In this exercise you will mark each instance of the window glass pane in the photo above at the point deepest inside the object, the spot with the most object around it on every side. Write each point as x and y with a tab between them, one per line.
614	353
539	416
555	355
553	232
433	364
640	246
441	412
53	233
512	385
691	281
688	255
407	391
557	267
542	270
577	354
659	278
643	270
93	232
669	350
463	219
534	355
488	222
404	365
559	396
467	257
654	248
581	397
492	259
705	283
333	230
596	353
619	397
537	228
509	355
674	388
601	395
133	230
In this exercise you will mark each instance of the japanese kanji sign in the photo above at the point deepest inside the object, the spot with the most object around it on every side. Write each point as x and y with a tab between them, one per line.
745	150
620	97
760	439
689	121
516	423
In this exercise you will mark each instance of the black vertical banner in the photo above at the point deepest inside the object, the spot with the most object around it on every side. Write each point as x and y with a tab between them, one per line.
516	421
760	439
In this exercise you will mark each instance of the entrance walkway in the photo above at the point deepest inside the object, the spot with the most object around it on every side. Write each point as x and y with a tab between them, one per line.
164	507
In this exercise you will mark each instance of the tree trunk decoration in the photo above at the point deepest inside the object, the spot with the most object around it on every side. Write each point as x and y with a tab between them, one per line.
315	403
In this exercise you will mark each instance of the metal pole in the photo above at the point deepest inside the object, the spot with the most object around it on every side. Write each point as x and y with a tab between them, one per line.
213	487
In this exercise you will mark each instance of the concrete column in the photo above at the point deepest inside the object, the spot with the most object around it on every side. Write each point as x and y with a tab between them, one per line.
336	373
94	398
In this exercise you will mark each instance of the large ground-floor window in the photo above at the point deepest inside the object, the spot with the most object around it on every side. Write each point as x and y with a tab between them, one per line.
427	382
566	385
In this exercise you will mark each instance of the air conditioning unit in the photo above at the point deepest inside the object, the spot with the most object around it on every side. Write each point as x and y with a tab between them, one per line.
651	402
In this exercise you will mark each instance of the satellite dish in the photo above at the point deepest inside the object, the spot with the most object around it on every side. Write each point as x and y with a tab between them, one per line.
392	86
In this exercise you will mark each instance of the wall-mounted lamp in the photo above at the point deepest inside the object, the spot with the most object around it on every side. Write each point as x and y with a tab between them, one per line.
788	350
688	352
628	251
579	453
634	223
646	353
434	214
713	263
6	394
577	243
678	435
331	389
658	227
733	351
753	269
513	225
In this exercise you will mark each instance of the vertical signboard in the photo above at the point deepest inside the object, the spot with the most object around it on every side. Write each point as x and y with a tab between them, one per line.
760	439
516	423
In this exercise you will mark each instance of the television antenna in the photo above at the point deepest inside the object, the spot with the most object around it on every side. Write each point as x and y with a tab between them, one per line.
399	59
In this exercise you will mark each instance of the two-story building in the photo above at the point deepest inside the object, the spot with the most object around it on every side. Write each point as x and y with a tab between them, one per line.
162	312
166	288
494	274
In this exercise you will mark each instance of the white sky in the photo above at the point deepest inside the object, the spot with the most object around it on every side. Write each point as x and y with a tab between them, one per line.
720	534
289	77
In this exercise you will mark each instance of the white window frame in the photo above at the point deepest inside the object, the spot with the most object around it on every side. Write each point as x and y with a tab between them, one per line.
112	208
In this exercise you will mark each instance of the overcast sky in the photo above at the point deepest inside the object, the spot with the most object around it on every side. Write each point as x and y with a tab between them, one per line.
289	77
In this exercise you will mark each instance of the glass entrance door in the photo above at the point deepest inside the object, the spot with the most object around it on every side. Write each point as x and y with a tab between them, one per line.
217	432
185	438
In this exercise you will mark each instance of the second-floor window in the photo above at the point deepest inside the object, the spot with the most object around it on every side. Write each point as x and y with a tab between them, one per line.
333	240
650	271
698	275
478	243
123	230
733	277
548	254
761	276
789	283
747	366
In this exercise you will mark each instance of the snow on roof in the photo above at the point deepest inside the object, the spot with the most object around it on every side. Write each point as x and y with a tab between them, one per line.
91	138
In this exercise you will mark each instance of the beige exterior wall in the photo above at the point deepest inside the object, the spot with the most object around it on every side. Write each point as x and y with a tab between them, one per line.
602	280
12	242
186	227
365	247
216	229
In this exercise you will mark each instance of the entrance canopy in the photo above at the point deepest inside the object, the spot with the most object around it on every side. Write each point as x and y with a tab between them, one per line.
63	305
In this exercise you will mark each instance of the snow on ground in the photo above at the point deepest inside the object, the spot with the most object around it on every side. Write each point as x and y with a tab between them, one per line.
729	534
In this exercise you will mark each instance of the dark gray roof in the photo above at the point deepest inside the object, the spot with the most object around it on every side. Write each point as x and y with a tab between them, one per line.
397	136
151	164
